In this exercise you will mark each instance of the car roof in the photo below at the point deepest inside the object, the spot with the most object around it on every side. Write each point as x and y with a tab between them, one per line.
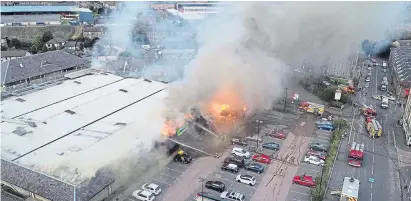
145	193
153	185
246	176
232	165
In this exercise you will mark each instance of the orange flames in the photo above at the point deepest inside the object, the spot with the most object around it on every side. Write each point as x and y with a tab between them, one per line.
226	104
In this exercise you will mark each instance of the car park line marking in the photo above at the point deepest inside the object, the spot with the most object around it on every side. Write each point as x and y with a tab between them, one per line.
130	199
322	140
305	194
169	176
161	181
312	170
295	199
174	170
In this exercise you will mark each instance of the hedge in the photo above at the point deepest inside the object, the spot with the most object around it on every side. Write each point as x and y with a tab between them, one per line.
317	193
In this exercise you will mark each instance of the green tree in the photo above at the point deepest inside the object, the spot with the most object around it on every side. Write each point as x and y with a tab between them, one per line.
15	43
44	48
33	49
91	8
100	10
3	48
81	46
46	36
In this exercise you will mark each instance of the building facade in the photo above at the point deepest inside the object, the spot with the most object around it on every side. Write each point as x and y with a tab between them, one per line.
406	122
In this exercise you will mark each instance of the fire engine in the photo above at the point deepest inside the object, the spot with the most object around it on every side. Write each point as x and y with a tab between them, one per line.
356	151
368	111
311	107
374	128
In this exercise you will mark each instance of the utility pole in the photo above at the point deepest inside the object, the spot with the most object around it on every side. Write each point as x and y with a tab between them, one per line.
285	98
202	188
258	131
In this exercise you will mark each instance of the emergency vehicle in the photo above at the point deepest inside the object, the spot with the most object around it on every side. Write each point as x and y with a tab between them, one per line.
368	111
350	189
374	128
356	151
310	107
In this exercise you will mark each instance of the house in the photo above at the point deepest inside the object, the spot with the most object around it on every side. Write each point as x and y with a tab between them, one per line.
93	32
73	45
12	54
25	71
56	42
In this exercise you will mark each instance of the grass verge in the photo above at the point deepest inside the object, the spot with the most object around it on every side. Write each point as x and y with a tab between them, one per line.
317	193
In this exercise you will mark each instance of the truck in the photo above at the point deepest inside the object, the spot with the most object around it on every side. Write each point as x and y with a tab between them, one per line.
356	151
384	65
350	188
384	103
310	107
374	128
368	111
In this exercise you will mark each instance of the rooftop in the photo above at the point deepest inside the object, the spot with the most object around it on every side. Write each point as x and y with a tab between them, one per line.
32	9
39	64
29	18
63	134
13	53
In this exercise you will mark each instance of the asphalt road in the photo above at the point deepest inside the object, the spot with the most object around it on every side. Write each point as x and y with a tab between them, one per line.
380	160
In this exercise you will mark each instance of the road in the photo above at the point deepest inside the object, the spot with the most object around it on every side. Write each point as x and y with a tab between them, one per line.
380	160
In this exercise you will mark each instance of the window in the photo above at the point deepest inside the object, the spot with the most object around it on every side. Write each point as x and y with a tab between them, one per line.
77	82
120	124
147	80
123	90
20	100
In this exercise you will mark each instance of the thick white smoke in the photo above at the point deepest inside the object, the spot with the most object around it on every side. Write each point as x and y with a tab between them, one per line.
249	49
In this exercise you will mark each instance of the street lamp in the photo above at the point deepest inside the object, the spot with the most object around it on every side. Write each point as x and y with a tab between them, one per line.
202	188
258	130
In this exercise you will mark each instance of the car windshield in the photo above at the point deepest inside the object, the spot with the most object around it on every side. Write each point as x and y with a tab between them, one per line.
151	196
242	151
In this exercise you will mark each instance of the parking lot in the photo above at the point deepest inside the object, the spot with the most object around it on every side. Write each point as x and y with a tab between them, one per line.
270	123
299	192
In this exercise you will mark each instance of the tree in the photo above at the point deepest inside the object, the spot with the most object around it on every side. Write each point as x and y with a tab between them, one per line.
100	10
91	8
33	49
81	46
44	48
87	43
46	36
15	43
3	48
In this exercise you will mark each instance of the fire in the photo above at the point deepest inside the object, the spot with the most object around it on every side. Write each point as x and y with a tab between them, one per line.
224	107
169	128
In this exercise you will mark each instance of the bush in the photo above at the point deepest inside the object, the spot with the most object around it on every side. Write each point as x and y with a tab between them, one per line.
317	193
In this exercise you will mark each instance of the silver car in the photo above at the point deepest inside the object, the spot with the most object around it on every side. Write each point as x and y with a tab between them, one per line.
367	85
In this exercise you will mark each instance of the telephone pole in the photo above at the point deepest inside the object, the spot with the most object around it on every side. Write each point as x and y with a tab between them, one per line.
285	98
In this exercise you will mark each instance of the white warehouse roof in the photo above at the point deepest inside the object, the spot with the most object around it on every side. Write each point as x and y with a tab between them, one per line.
79	121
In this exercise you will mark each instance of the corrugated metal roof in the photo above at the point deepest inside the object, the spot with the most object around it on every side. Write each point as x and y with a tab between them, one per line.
16	9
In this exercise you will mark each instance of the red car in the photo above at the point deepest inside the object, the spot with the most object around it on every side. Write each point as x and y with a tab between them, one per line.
278	134
261	158
319	154
304	180
355	163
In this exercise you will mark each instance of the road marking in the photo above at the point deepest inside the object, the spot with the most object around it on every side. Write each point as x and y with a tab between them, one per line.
308	169
130	199
174	170
395	141
295	199
168	176
323	137
299	193
371	197
322	140
161	181
372	170
373	158
302	123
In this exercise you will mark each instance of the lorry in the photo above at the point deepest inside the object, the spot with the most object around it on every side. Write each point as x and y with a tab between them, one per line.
374	128
350	188
384	103
368	111
356	151
310	107
384	65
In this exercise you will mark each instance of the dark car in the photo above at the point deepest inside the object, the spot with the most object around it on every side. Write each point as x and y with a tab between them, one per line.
215	185
254	167
272	146
230	167
238	141
238	160
318	147
183	158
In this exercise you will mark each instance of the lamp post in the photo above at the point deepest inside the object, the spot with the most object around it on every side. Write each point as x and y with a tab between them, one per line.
202	188
258	131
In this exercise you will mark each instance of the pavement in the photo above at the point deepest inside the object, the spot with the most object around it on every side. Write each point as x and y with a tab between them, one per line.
381	154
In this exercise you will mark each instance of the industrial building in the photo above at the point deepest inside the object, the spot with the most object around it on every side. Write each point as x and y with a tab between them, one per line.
52	137
70	14
30	20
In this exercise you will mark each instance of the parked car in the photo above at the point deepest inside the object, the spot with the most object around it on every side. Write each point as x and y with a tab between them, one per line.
261	158
278	134
238	160
272	146
143	195
354	163
319	154
183	158
238	141
230	167
231	195
368	79
246	179
254	138
304	180
384	70
240	152
153	188
367	85
318	147
313	160
254	167
215	185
